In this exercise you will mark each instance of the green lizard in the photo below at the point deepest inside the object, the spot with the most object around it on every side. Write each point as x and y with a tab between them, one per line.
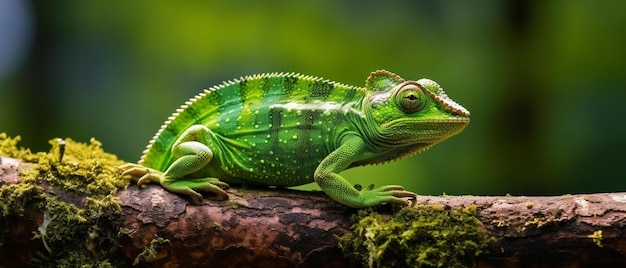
286	129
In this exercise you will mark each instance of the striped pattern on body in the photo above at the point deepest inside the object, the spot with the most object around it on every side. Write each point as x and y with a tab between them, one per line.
264	113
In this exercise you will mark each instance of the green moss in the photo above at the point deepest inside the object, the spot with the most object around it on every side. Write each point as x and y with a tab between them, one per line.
421	236
8	148
84	229
151	251
14	198
537	222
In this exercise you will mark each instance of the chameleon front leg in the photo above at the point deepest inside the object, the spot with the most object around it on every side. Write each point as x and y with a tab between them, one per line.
192	153
342	191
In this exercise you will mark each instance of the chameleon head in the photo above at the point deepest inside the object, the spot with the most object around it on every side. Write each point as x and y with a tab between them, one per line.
411	114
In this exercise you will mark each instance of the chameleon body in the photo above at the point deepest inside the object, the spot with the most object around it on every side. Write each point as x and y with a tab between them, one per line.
286	129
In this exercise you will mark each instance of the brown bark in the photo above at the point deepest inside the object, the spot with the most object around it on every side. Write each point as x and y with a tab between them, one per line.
286	228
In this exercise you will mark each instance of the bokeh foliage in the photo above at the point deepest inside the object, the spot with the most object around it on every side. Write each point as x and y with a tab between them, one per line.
544	80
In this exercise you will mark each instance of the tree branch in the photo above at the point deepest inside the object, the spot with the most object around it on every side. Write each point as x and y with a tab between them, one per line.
286	228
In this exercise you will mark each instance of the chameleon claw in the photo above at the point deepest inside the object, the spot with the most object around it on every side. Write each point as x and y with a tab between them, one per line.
135	171
392	194
216	189
148	178
191	186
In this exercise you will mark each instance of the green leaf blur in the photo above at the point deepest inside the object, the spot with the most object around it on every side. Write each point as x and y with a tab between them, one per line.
544	80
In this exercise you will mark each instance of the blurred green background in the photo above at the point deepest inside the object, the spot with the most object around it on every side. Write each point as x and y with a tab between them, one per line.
544	80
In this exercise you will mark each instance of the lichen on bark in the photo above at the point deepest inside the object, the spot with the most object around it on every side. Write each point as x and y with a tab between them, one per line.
421	236
74	185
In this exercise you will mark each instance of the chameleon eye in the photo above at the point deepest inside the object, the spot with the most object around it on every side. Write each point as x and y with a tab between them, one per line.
410	98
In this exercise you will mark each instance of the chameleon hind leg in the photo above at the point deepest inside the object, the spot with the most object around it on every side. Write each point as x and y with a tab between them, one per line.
191	154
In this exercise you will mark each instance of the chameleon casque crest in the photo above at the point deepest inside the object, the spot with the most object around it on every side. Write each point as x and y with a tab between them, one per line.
287	129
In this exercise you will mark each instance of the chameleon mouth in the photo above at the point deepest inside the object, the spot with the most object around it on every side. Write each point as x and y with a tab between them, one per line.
426	132
438	130
405	139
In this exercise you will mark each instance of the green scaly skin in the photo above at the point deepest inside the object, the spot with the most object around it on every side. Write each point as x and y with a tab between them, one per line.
286	129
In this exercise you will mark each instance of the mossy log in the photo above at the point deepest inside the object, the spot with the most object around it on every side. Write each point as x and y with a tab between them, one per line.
287	228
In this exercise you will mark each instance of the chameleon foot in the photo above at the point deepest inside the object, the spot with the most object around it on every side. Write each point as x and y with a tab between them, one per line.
136	171
391	194
187	186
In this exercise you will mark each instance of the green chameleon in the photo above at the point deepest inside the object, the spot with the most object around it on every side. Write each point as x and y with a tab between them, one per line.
286	129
